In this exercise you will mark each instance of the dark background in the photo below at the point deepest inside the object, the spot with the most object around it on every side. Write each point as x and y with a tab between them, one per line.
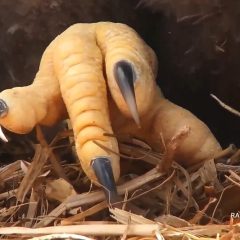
197	43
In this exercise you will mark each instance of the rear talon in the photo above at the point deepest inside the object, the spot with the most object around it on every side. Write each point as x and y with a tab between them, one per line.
104	173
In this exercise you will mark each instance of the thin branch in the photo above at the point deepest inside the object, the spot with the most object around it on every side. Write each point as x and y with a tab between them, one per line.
219	201
225	106
119	229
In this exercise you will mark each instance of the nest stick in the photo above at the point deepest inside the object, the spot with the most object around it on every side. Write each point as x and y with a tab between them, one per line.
225	106
93	197
94	230
120	229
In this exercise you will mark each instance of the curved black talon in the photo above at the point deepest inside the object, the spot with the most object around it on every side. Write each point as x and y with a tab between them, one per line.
125	77
103	170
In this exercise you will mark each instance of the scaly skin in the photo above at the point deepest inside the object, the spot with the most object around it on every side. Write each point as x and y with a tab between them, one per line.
78	63
75	74
39	103
163	122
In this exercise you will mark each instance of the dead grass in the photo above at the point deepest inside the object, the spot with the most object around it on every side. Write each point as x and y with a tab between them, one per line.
50	198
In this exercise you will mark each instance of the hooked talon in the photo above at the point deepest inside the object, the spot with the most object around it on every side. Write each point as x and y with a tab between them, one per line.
125	77
3	108
3	113
103	170
2	135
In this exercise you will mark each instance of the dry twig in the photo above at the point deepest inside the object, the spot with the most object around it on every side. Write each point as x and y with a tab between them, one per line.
225	106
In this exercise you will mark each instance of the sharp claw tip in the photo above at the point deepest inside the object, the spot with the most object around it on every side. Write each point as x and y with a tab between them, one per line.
103	170
125	77
137	121
2	135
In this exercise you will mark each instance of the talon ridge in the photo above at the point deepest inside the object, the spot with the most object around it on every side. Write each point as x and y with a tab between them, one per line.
104	173
125	77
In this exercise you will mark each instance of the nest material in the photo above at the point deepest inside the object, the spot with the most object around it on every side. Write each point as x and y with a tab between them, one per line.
48	196
47	190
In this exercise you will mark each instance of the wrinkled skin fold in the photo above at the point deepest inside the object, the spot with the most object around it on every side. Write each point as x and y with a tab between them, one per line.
76	72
